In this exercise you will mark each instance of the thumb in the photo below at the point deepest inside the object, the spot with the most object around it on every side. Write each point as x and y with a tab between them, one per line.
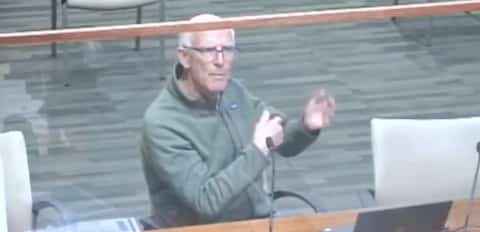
265	117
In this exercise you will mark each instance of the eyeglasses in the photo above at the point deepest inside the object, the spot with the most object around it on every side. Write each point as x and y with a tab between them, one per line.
210	53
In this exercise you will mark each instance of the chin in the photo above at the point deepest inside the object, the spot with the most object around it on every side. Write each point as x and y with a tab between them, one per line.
217	88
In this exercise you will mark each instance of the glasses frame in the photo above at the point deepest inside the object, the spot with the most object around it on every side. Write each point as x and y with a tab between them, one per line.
211	53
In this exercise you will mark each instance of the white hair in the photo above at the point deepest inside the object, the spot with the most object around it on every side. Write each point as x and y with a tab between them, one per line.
185	39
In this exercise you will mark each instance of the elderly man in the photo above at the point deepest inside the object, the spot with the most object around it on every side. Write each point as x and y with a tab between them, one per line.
204	139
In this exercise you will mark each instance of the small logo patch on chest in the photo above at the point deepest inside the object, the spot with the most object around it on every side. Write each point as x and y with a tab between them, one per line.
233	106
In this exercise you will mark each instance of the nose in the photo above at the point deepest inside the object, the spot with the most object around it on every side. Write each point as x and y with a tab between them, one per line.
219	58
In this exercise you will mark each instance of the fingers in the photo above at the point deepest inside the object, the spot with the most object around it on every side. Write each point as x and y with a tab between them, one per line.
264	118
331	102
329	112
269	127
331	106
320	110
327	117
319	96
274	130
273	125
268	118
276	120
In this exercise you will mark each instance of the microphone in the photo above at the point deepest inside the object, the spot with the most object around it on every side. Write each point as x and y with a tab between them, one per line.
471	201
278	194
271	147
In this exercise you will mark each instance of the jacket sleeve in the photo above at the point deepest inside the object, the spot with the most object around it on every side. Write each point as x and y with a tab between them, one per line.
176	161
297	137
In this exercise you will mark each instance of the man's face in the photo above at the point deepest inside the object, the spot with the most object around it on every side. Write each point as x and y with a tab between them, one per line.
211	58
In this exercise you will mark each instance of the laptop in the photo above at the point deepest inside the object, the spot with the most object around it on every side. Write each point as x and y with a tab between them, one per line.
419	218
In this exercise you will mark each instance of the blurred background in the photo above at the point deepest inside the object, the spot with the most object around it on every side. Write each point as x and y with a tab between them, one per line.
83	139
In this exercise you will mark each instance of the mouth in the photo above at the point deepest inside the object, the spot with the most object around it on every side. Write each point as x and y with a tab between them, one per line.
218	76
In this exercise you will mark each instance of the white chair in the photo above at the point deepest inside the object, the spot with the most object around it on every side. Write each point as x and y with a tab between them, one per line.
18	192
3	202
108	5
20	208
102	5
99	5
419	161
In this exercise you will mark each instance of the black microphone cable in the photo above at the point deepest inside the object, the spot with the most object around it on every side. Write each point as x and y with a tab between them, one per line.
273	195
271	147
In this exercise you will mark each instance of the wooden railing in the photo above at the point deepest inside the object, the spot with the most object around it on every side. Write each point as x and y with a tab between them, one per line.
285	19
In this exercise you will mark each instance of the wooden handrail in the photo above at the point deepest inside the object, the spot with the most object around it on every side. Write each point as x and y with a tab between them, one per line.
284	19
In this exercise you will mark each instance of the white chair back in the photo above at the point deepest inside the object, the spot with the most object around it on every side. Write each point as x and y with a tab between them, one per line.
418	161
107	4
3	202
18	196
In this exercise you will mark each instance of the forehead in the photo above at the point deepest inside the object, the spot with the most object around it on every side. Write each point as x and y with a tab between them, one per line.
213	38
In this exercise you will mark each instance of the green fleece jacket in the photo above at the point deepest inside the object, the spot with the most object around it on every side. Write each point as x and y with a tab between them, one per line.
200	163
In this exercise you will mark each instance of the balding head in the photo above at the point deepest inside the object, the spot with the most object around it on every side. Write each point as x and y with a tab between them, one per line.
186	39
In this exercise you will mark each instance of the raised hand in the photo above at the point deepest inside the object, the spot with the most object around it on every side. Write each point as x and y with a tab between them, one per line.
319	111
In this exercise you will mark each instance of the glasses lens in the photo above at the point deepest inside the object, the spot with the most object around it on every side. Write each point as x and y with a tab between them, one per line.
211	53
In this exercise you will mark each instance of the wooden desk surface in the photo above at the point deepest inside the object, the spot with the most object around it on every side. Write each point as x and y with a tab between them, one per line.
316	222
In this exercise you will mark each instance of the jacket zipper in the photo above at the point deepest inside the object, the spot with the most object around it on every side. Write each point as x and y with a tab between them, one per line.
219	110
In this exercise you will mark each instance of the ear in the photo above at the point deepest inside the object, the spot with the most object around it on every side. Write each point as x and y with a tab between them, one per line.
183	57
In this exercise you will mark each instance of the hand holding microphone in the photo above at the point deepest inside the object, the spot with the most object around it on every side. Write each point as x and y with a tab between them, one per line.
269	127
